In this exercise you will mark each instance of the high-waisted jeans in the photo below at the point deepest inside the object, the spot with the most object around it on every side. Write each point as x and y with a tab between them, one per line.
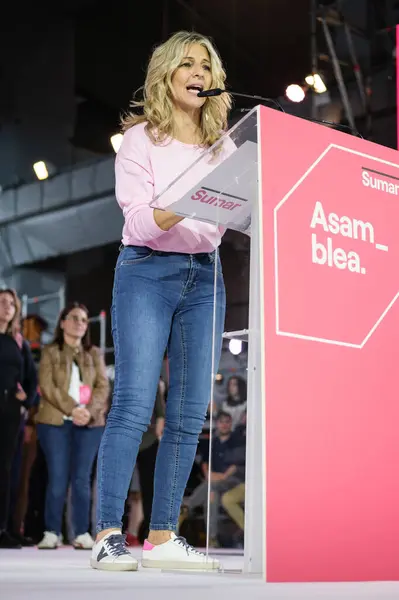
160	301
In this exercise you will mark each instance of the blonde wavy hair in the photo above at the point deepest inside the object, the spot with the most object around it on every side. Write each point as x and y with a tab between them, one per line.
157	103
14	326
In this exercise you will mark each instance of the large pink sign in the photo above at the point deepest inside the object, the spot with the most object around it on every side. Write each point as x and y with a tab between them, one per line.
330	206
397	84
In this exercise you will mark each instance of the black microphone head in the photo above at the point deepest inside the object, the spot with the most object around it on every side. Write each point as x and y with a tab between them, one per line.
209	93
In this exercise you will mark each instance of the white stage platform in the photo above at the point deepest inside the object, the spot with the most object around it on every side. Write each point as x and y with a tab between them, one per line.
31	574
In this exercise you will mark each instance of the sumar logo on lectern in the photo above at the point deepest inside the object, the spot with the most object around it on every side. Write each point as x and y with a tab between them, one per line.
204	195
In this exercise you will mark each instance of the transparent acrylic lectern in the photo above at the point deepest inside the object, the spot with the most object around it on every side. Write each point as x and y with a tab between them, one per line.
221	188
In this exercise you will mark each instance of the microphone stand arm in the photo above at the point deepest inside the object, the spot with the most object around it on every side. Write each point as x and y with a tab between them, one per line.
261	99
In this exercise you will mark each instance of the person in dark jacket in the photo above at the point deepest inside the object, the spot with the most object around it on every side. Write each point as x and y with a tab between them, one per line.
18	387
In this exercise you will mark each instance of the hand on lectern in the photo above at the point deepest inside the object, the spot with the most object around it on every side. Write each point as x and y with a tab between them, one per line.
165	219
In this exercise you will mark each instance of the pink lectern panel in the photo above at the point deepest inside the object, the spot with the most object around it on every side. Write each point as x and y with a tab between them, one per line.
330	206
397	85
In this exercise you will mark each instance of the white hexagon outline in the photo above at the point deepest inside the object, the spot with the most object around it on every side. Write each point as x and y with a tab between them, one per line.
276	285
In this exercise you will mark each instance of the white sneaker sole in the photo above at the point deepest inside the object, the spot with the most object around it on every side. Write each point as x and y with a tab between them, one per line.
103	566
180	565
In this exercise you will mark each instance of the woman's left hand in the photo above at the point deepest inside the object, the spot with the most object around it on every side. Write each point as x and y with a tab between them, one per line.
20	395
81	416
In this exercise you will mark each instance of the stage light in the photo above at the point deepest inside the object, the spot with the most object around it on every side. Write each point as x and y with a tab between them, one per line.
295	93
116	141
235	346
316	83
40	168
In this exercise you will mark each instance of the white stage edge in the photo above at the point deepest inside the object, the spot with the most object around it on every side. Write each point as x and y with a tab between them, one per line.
31	574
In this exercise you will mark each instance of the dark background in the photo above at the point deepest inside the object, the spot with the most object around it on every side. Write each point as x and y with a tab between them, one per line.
69	68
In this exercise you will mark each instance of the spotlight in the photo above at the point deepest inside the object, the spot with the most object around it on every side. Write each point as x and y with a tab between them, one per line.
235	346
116	141
40	168
316	82
295	93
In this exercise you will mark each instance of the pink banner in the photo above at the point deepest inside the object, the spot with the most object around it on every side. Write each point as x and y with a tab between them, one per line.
397	84
331	255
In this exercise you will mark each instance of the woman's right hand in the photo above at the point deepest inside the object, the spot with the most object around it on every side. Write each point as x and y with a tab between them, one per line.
80	416
166	219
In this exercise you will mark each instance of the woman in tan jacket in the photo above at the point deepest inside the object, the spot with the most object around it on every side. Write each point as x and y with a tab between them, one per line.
74	400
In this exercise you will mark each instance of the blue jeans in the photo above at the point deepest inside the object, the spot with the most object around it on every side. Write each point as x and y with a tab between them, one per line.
70	452
160	300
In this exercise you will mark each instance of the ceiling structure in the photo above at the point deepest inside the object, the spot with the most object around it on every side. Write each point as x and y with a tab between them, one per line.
69	68
265	45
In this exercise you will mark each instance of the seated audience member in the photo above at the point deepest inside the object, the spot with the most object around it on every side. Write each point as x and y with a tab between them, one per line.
18	383
227	471
71	417
236	402
232	502
241	429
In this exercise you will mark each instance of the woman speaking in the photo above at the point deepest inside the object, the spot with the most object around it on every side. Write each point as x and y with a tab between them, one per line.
163	297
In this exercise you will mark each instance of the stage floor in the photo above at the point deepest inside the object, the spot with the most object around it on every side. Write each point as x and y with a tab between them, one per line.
63	574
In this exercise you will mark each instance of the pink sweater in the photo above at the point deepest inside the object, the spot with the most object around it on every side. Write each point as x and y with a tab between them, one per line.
143	170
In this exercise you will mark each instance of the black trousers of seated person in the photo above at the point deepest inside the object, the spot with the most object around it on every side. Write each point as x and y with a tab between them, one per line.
34	520
10	419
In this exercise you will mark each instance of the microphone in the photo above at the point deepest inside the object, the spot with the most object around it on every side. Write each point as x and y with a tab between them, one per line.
209	93
219	91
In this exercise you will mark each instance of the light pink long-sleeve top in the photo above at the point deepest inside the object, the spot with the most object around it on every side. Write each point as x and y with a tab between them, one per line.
143	170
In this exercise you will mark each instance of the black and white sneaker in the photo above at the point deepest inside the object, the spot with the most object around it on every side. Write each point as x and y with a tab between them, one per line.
111	554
